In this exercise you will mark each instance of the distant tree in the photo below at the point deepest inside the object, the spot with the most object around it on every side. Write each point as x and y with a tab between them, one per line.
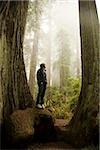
33	60
64	57
14	90
49	42
35	13
55	74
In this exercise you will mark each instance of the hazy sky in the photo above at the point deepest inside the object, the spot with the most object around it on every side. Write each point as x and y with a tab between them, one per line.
65	14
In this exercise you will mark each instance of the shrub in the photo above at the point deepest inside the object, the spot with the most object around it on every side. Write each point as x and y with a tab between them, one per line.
63	103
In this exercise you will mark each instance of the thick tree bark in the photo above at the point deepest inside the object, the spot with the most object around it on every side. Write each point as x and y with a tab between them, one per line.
78	71
84	124
14	92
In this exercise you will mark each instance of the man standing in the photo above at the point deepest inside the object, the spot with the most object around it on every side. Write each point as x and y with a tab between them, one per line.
42	82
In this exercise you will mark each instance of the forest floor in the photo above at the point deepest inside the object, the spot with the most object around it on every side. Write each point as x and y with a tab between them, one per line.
60	126
51	146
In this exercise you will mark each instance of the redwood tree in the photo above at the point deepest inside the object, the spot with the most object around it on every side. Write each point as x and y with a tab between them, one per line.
14	92
33	60
84	124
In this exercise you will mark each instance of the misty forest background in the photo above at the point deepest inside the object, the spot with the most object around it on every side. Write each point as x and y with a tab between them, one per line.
64	36
52	36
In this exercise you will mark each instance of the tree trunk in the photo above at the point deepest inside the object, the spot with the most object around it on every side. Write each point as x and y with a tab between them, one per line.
78	72
15	92
84	124
33	61
49	45
62	74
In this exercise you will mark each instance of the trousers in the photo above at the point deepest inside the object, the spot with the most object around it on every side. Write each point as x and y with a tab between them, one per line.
41	93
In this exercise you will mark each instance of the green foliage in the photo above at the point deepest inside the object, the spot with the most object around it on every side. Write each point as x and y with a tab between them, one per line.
73	91
63	103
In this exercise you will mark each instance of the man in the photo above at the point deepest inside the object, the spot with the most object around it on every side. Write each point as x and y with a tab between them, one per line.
42	82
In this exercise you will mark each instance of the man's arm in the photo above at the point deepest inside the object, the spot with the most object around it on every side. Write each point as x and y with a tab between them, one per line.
39	76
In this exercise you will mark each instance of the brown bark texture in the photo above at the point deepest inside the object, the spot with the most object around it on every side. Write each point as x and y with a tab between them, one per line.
14	92
84	124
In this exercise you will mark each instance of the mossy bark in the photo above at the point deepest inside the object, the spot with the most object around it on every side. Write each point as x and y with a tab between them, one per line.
14	90
84	124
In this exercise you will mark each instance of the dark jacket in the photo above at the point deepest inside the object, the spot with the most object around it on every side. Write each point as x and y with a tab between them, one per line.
41	76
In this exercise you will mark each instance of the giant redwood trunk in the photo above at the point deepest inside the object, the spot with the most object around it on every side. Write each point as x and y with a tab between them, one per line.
84	124
14	90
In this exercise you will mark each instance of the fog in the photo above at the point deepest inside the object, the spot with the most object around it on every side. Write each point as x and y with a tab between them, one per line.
52	36
56	16
58	28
